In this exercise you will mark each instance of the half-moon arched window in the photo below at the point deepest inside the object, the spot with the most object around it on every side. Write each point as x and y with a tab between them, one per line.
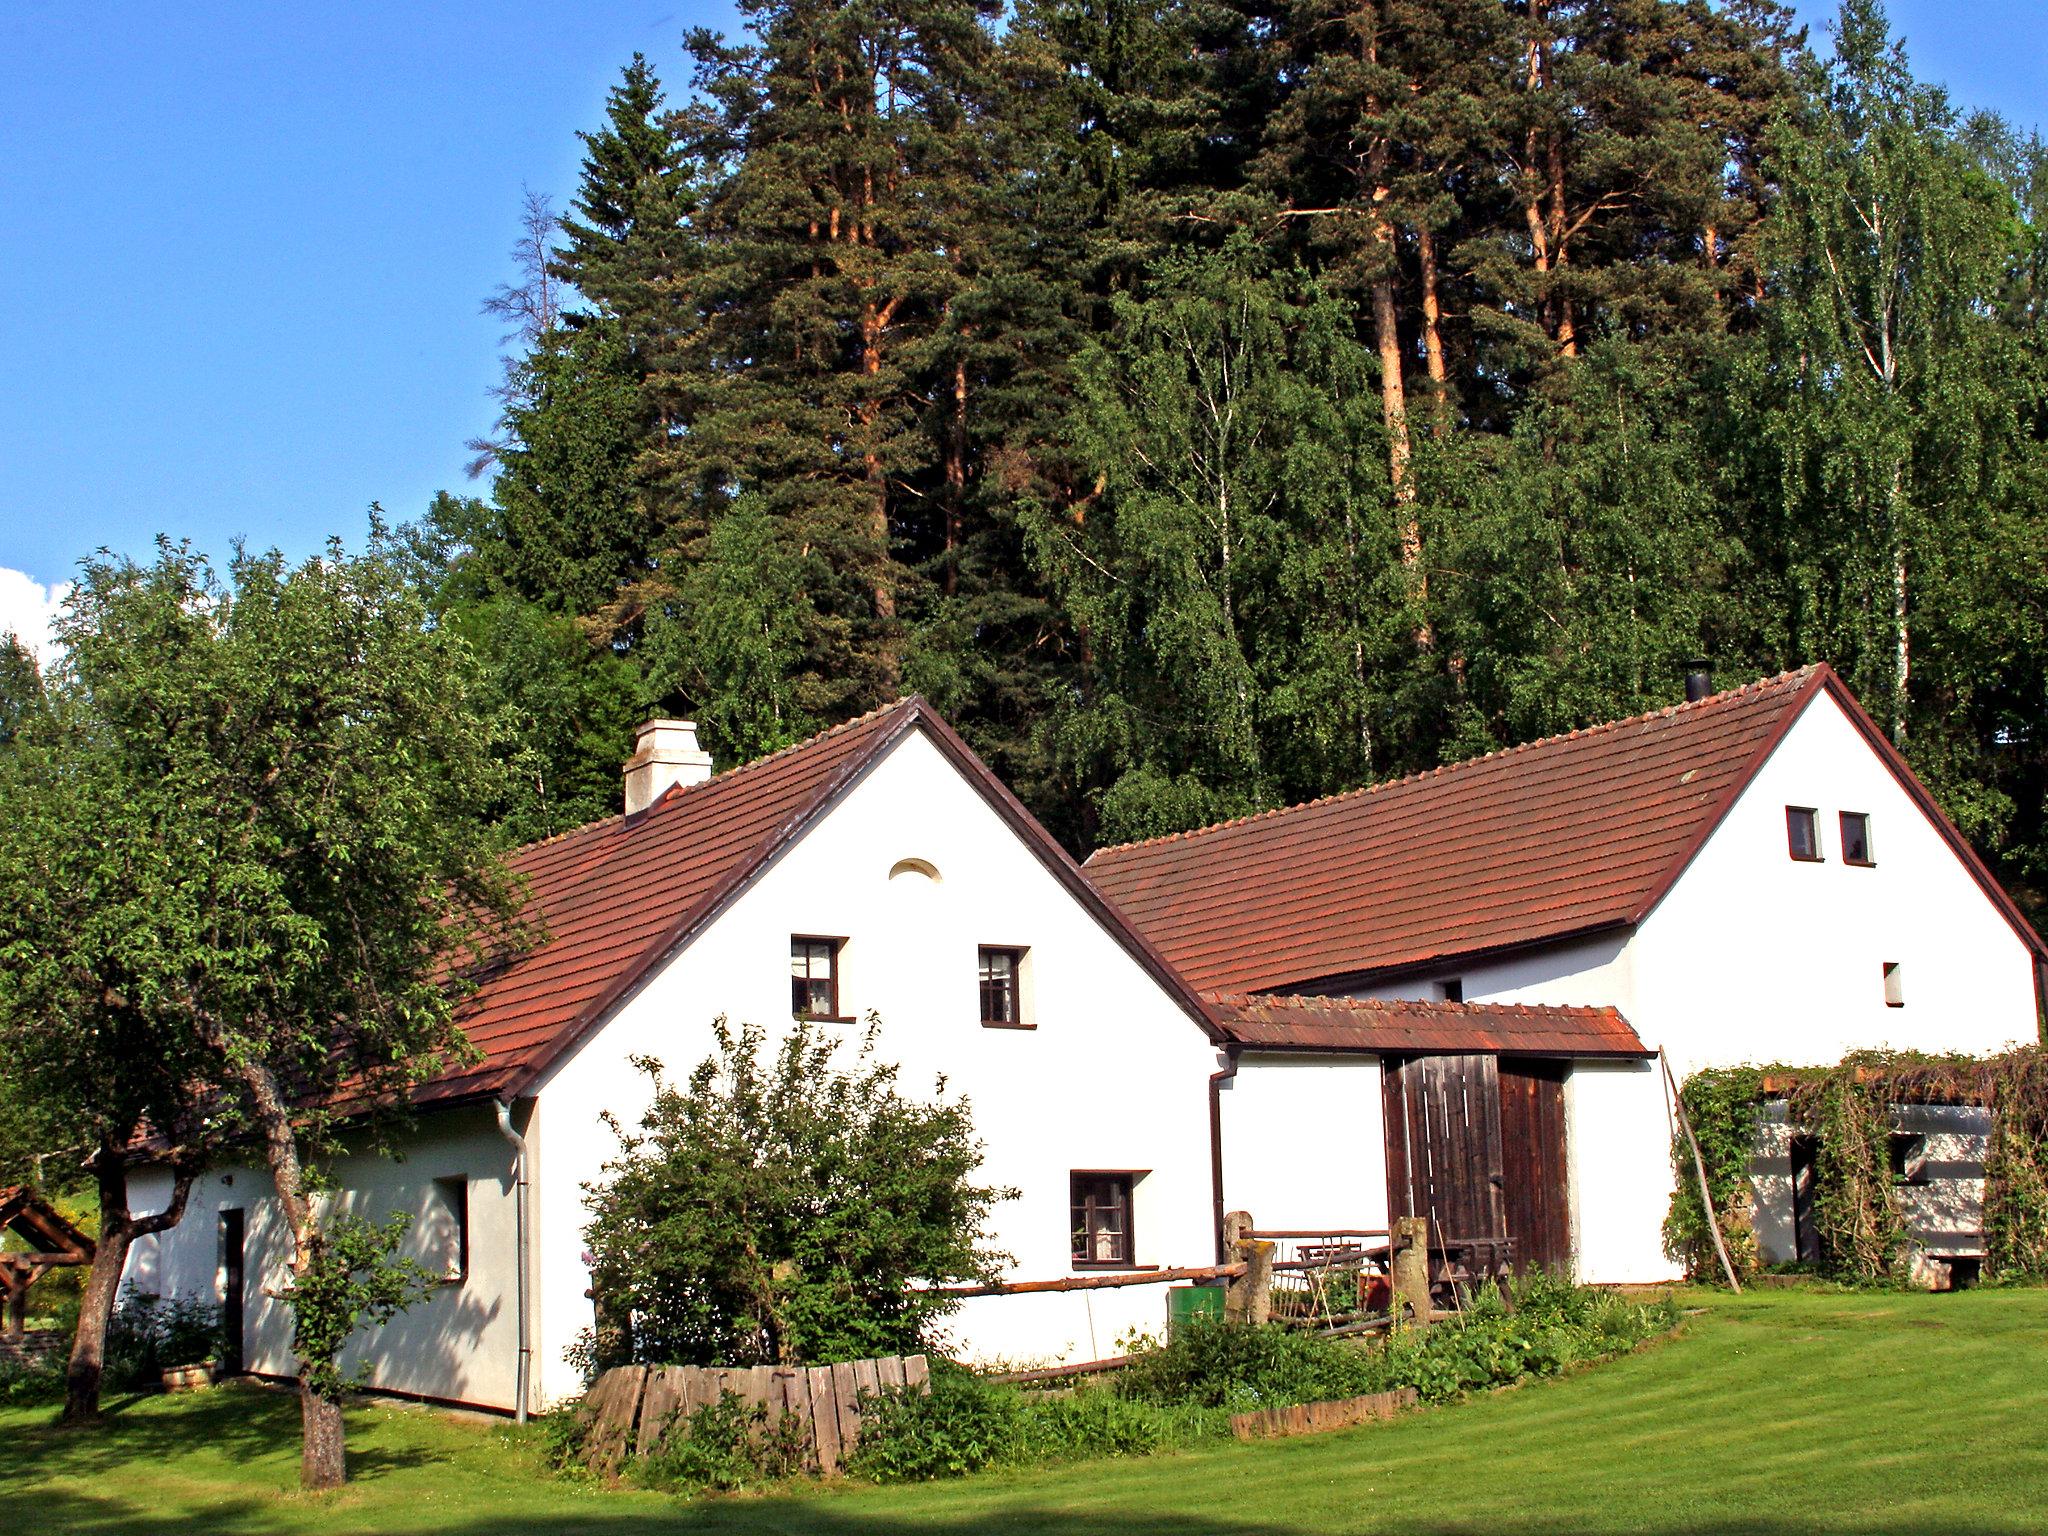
910	869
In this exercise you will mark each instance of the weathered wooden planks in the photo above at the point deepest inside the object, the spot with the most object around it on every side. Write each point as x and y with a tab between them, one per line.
658	1402
1314	1418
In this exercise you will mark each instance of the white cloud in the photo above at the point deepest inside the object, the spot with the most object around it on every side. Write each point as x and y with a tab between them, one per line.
27	608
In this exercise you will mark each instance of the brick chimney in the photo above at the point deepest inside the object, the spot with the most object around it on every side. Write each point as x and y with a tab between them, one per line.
665	752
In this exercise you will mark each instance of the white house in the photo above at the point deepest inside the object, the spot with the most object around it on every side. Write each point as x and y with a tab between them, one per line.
1751	876
1442	995
879	868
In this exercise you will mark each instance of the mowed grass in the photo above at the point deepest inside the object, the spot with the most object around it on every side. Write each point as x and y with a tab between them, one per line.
1778	1412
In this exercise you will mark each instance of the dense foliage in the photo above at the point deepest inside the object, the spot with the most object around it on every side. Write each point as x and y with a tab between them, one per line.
779	1205
244	869
147	1335
1848	1109
1187	1388
1212	404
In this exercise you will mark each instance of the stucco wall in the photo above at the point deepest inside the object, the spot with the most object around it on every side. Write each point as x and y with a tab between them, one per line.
1302	1141
461	1343
1114	1077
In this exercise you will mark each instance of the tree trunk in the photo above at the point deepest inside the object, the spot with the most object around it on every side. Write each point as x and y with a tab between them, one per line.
323	1458
323	1461
119	1228
956	475
1902	656
1432	333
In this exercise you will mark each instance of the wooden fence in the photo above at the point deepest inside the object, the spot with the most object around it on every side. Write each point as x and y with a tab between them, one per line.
632	1409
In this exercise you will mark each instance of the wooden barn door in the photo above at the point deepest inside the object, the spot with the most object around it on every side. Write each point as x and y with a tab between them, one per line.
1444	1143
1536	1191
1477	1145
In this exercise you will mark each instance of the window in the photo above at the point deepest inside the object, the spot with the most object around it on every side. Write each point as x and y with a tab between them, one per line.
814	977
1802	832
446	1230
1102	1220
1453	990
1002	988
1894	985
1909	1157
1856	839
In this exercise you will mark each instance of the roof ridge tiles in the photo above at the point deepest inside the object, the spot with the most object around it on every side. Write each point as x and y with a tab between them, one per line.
1797	675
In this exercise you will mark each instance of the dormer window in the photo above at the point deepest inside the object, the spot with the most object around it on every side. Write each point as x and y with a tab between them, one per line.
1802	833
814	977
1856	847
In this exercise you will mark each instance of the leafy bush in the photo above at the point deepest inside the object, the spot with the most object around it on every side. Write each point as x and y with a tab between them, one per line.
150	1333
31	1380
782	1204
725	1445
966	1423
961	1425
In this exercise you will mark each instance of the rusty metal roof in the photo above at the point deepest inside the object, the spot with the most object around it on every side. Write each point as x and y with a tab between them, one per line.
620	895
1571	835
1269	1022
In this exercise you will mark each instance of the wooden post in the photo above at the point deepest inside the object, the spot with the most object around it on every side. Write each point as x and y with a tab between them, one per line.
1258	1279
1408	1268
17	1311
1236	1290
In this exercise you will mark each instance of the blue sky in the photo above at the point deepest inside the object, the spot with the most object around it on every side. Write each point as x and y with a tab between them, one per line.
246	244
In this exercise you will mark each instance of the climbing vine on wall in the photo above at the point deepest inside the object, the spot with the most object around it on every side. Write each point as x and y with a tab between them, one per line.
1848	1110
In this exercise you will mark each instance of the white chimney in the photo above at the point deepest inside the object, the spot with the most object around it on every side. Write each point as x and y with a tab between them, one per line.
665	752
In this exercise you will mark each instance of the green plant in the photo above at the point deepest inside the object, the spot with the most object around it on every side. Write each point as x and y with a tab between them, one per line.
961	1424
350	1277
724	1445
781	1205
151	1333
31	1379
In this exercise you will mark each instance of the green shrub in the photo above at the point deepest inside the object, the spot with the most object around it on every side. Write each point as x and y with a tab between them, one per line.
31	1380
150	1333
1209	1363
724	1445
961	1425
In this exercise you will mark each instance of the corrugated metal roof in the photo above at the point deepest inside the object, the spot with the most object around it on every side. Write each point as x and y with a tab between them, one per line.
1269	1022
1568	835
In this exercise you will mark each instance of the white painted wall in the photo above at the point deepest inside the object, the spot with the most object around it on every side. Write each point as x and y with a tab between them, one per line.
1302	1141
1114	1076
460	1343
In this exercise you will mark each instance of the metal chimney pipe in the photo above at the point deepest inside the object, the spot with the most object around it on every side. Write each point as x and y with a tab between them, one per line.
1699	680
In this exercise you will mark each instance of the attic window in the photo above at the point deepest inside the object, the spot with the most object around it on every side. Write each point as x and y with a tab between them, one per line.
1453	990
1802	833
814	977
1002	988
1856	839
1894	984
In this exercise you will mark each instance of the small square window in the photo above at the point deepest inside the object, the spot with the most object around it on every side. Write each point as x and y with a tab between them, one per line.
1909	1157
814	977
1856	839
1453	990
1002	988
1802	833
1102	1220
1894	984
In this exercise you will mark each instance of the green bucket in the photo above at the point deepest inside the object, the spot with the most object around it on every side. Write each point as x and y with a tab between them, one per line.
1190	1303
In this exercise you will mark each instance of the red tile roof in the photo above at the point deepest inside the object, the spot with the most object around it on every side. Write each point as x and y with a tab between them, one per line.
1571	835
618	896
1352	1024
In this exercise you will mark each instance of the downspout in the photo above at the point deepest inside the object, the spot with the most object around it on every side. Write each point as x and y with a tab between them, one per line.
520	1243
1216	1082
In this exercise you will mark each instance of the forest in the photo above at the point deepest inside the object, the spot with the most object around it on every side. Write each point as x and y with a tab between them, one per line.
1210	404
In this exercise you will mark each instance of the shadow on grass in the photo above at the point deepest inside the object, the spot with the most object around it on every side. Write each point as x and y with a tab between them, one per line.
243	1423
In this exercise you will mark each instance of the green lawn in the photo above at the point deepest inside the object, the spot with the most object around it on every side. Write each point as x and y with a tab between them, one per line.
1778	1412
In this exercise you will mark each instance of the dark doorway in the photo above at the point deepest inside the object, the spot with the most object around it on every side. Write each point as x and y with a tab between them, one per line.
231	1245
1537	1193
1805	1175
1443	1143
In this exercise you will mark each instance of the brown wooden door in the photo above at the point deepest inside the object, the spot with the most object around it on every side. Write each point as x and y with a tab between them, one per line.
1536	1189
1444	1143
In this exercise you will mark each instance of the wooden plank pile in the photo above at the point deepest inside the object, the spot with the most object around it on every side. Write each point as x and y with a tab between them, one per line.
631	1410
1314	1418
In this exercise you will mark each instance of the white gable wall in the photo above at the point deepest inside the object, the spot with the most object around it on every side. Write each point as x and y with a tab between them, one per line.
1756	957
1113	1078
